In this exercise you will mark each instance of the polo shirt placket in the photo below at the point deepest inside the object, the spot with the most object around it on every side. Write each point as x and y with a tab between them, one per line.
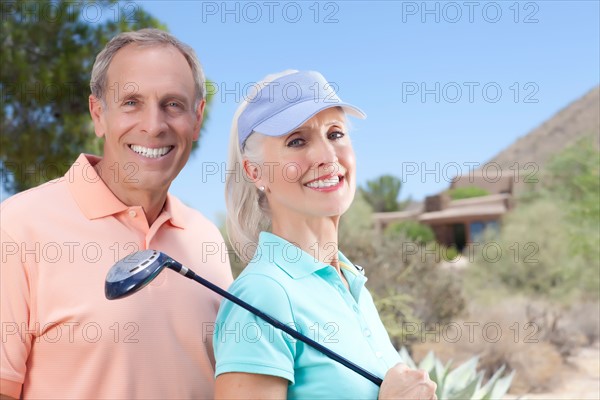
351	299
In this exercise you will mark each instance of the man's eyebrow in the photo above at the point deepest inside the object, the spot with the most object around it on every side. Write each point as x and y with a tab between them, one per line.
131	95
177	96
127	97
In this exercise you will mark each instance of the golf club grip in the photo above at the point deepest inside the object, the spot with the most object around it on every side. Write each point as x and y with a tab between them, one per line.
292	332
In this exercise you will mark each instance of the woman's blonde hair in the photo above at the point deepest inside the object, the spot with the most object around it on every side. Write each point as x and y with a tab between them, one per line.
247	207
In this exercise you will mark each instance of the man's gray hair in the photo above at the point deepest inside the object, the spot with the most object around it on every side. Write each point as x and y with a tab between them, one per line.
144	37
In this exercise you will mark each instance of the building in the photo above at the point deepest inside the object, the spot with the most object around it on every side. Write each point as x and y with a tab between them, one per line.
458	222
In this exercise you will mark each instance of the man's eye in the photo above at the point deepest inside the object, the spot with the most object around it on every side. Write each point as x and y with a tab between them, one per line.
130	103
173	104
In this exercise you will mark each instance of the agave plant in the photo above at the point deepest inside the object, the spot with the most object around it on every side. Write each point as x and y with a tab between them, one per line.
463	382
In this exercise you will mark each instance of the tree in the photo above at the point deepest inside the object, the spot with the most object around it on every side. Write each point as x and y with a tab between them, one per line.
382	193
48	50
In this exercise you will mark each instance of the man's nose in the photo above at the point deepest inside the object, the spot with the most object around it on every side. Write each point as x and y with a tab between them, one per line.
153	120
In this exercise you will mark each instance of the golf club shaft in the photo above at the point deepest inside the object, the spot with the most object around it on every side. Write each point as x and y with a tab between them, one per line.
292	332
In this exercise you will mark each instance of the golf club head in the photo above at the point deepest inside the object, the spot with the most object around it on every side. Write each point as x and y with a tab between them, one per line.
133	272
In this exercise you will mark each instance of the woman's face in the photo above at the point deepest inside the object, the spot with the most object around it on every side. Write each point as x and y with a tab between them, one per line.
310	172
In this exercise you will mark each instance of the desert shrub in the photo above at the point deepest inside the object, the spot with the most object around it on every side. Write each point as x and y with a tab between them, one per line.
406	283
500	335
530	255
467	192
411	230
573	178
549	242
407	287
582	319
553	326
538	367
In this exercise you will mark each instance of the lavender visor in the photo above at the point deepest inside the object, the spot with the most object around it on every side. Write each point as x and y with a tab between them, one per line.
287	102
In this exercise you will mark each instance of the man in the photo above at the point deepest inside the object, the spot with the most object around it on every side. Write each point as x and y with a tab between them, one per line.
61	338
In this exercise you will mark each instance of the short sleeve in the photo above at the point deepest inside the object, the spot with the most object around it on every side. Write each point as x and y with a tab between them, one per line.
244	342
14	315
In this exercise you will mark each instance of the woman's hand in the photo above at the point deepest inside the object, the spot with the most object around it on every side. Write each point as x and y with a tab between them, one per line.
401	382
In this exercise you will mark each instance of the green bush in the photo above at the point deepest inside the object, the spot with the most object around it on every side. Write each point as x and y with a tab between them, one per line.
467	192
411	230
549	242
449	253
408	286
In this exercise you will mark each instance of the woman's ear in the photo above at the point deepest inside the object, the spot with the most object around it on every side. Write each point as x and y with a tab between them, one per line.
253	172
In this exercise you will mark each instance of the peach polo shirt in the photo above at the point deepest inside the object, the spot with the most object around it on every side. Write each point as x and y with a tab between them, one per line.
61	338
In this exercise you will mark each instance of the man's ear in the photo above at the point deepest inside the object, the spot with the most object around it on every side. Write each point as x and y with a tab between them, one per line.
96	111
199	118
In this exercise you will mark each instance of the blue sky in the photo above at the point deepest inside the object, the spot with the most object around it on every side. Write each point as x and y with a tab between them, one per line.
443	83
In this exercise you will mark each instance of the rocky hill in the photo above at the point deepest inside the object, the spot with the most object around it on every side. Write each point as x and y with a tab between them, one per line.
579	119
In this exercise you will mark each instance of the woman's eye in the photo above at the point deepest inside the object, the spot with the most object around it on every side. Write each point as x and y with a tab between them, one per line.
295	142
336	135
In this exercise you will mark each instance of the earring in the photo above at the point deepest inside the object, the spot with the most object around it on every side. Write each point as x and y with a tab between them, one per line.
262	188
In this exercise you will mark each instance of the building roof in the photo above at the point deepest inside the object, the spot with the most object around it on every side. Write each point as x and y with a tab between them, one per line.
483	207
461	214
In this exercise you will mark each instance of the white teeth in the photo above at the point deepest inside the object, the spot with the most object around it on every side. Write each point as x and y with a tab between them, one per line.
334	180
150	153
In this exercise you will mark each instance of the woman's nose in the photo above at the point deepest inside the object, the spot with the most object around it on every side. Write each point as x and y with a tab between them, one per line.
325	153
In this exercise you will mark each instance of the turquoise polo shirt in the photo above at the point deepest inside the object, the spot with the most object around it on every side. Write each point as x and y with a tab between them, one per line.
308	295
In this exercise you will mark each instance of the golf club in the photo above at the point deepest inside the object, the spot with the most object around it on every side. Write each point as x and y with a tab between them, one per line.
138	269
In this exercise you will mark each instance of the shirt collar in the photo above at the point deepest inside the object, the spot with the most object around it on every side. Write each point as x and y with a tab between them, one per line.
290	258
174	211
96	200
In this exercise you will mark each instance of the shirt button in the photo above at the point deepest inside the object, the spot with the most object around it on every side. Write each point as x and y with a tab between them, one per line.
132	213
378	354
367	332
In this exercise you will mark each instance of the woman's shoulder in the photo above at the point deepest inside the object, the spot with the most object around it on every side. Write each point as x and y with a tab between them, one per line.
262	279
261	290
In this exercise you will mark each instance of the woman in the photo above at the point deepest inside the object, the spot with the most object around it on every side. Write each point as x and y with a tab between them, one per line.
296	177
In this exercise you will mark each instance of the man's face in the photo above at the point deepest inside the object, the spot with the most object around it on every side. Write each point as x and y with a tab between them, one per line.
148	117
